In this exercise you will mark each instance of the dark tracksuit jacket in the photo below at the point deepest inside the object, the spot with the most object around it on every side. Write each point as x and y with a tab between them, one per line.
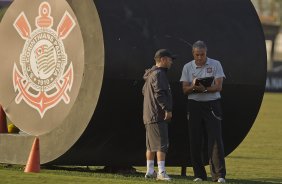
157	95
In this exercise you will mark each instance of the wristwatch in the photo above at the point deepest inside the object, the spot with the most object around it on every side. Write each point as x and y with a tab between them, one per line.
205	91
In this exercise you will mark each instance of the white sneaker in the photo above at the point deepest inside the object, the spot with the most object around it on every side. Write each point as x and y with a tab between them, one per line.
149	176
163	176
198	179
221	180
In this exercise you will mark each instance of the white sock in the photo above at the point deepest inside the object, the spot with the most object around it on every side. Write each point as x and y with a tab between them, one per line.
161	166
150	166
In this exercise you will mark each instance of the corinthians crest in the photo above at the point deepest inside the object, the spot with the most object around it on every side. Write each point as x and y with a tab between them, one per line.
45	76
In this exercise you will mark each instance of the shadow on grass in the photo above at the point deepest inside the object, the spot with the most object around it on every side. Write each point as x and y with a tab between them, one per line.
123	171
101	170
132	173
12	167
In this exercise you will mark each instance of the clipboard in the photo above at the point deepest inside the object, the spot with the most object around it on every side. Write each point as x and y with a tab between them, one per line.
206	81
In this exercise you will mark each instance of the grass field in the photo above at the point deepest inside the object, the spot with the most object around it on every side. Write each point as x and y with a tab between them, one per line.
257	160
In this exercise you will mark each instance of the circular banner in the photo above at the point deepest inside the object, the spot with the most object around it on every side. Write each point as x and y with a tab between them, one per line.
42	63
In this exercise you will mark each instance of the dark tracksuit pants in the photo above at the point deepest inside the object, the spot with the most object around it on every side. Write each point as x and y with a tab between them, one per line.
206	117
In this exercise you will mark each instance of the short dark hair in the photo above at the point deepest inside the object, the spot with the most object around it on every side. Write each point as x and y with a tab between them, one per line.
199	45
164	53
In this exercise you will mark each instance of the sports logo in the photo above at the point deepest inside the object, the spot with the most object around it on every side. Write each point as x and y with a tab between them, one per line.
209	70
45	77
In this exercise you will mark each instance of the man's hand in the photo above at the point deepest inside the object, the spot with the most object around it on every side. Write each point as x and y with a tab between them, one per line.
168	115
198	87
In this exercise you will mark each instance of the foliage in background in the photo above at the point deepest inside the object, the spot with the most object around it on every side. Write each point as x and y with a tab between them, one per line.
2	12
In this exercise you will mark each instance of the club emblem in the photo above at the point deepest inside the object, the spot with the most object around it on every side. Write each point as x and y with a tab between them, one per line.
209	70
45	77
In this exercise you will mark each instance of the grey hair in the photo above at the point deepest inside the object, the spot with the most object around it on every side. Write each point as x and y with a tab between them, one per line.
200	45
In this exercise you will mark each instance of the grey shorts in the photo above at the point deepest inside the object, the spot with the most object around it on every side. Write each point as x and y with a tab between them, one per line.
157	137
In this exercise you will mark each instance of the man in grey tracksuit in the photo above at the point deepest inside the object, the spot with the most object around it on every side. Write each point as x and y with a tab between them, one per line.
157	112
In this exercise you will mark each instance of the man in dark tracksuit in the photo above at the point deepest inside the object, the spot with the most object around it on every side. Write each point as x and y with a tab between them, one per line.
157	111
204	112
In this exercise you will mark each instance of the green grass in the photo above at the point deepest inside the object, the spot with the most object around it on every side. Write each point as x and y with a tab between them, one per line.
257	160
259	157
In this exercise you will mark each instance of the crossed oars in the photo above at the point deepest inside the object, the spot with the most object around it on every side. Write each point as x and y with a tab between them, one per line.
44	21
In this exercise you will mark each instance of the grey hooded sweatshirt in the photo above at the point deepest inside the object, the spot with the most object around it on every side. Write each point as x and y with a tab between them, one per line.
157	95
